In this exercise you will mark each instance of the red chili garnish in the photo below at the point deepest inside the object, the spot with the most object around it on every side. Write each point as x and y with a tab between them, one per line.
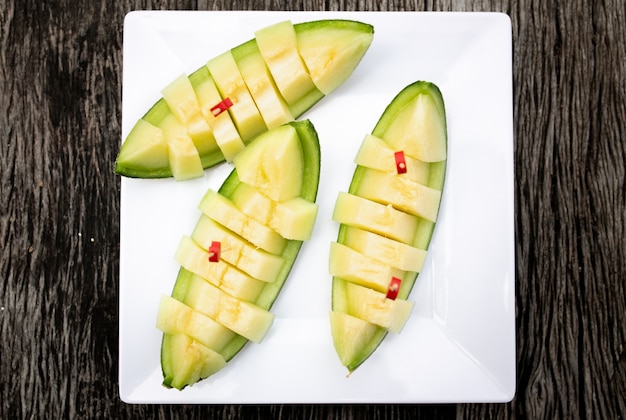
400	162
214	251
394	288
221	107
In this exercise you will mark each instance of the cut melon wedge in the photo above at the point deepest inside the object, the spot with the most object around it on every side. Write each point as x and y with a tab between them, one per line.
260	83
418	126
387	218
227	138
384	219
401	192
187	360
268	82
279	48
357	268
292	219
226	213
374	307
273	170
227	277
381	248
236	283
331	54
235	250
183	102
177	318
184	159
231	85
244	318
352	336
146	145
377	154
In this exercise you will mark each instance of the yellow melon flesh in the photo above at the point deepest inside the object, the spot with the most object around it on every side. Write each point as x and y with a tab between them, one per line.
383	219
278	46
401	192
231	85
190	361
244	318
261	86
295	218
291	219
374	307
195	259
350	265
394	253
183	103
256	205
145	143
350	335
332	54
275	171
224	211
226	135
183	155
375	153
174	317
419	131
256	262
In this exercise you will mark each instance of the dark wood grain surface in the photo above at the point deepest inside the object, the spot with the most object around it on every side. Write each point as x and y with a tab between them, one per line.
60	116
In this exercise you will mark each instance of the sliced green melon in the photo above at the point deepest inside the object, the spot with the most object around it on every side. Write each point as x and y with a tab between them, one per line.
225	212
395	253
194	258
376	153
374	307
352	336
186	360
235	250
332	53
382	201
241	317
269	169
358	268
295	218
403	193
145	145
231	85
183	103
418	127
205	287
174	317
268	82
184	159
260	83
384	219
227	137
279	48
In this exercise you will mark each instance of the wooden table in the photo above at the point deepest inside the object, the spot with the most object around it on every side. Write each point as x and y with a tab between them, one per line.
60	109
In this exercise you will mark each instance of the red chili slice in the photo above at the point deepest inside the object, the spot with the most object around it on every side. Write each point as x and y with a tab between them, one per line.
394	288
214	251
400	162
221	107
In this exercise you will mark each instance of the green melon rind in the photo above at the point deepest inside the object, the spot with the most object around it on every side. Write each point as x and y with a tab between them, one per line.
425	228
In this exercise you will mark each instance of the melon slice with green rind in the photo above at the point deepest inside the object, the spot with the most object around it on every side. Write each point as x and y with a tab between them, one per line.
231	85
142	155
413	123
245	320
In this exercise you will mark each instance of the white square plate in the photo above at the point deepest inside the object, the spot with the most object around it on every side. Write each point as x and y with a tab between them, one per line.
459	344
